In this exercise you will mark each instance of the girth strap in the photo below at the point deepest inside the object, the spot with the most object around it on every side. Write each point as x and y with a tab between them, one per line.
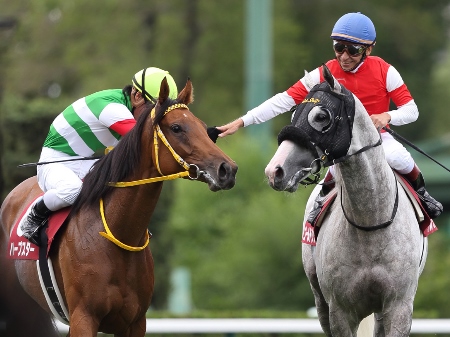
50	288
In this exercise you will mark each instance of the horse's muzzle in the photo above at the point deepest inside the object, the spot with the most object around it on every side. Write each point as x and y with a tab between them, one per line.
222	179
226	174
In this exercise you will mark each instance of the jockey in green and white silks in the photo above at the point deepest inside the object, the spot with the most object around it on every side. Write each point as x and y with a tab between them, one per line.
90	124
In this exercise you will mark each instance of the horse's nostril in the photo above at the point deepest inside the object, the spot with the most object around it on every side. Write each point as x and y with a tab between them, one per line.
279	173
226	171
226	175
223	170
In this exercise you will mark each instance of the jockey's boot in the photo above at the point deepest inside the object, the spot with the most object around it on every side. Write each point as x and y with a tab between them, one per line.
327	185
432	206
37	218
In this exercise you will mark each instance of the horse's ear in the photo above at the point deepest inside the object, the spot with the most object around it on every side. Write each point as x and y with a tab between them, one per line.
309	81
334	84
186	96
163	91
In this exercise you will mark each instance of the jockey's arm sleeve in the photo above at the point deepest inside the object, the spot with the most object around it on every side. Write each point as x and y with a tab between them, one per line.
278	104
118	118
404	114
407	111
123	127
284	101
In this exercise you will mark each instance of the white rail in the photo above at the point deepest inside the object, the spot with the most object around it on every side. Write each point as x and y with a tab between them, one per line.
261	325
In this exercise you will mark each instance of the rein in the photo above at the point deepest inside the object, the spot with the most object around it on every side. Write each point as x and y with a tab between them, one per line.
323	163
157	133
380	226
344	158
113	239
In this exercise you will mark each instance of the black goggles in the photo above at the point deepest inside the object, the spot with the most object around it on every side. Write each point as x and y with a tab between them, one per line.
352	49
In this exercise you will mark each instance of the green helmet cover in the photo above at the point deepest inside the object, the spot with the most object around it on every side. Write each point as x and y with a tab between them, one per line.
152	78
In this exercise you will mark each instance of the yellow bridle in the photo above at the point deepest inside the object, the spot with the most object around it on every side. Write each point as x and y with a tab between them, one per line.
157	133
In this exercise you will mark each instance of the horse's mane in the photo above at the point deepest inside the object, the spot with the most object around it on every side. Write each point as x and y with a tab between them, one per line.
119	163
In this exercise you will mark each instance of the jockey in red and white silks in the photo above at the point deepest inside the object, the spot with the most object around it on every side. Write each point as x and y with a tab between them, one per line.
374	82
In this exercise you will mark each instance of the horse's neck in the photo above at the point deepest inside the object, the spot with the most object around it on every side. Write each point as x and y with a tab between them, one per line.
367	181
128	210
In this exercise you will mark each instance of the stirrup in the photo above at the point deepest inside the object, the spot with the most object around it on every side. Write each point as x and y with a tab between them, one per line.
318	205
327	187
32	224
33	236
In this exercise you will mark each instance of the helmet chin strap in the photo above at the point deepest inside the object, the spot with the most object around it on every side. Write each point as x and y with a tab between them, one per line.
144	92
364	56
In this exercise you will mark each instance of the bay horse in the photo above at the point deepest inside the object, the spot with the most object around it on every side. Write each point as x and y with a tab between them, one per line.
370	250
107	280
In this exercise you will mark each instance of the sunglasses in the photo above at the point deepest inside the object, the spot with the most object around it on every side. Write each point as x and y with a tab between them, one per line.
352	49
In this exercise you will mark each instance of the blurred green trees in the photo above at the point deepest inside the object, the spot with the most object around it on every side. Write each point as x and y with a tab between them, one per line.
242	245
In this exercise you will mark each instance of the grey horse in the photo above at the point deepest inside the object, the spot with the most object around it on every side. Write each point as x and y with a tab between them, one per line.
370	250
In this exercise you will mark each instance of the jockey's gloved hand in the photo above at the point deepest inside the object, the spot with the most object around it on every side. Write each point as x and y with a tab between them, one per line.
213	133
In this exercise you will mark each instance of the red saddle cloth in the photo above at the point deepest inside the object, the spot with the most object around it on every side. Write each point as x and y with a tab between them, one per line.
22	249
310	231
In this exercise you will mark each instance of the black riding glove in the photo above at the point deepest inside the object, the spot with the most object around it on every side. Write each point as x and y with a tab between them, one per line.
213	133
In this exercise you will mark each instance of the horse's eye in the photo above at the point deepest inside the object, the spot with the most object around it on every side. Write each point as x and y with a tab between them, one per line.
176	128
320	119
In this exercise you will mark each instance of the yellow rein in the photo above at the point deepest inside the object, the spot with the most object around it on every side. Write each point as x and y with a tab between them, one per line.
113	239
157	133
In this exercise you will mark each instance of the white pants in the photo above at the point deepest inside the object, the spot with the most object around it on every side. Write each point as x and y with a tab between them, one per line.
396	154
61	182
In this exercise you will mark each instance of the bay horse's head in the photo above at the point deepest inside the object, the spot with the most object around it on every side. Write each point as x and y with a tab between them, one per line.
167	142
320	134
181	142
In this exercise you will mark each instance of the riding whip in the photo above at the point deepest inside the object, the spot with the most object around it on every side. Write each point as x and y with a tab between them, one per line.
58	161
213	134
400	138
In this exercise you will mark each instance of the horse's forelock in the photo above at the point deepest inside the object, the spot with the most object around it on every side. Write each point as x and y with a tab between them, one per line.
161	109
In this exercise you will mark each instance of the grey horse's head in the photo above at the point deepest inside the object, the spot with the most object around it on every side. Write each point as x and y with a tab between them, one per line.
324	120
320	135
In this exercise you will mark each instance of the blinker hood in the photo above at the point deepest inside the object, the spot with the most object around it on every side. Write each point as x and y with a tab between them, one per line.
296	135
335	141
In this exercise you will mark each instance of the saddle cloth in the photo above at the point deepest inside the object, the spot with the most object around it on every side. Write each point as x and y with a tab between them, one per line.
426	224
22	249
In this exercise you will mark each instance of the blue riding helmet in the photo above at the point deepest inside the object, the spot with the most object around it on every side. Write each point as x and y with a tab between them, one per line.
356	28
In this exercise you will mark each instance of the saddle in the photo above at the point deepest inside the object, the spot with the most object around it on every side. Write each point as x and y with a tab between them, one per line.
22	249
426	224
